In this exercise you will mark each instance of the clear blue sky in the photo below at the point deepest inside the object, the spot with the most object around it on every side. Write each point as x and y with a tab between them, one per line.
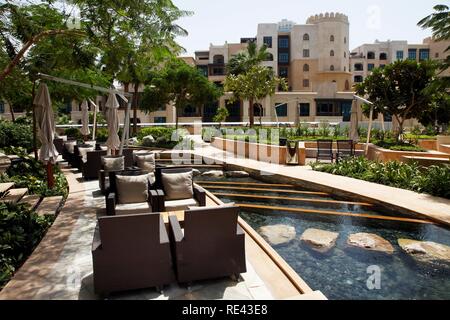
217	21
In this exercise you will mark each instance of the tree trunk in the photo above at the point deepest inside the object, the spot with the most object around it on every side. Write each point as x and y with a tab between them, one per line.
135	106
251	113
9	68
11	110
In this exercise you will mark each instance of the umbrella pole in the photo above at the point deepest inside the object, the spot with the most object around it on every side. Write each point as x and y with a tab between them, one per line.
50	177
33	94
369	130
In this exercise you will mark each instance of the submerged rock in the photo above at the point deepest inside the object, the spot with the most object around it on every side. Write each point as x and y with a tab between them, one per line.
237	174
369	241
213	173
426	251
278	234
320	240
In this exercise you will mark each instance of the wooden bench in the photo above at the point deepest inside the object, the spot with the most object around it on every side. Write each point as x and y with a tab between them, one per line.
49	206
426	161
14	195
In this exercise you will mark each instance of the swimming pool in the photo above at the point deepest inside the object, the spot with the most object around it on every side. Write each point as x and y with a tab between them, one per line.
342	273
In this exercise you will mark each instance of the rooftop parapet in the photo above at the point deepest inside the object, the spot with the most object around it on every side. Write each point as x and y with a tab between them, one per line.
327	17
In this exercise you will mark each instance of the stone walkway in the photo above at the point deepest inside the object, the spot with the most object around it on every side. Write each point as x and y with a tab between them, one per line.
403	201
61	267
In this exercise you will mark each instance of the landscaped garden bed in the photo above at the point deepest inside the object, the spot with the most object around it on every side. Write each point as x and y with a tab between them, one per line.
434	180
21	228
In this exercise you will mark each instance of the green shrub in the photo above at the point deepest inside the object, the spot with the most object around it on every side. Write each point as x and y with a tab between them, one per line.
434	180
101	135
16	135
73	133
392	144
20	232
31	174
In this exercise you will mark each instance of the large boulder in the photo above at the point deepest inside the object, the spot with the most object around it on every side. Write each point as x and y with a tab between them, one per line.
213	174
426	251
278	234
237	174
5	163
369	241
319	240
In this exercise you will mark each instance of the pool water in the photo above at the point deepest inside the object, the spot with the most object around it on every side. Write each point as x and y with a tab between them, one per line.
345	273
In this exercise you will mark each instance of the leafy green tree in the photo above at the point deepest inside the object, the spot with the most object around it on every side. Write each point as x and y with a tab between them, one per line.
401	89
221	115
180	84
255	84
243	62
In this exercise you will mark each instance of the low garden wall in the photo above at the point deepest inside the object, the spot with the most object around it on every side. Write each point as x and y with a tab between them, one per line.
442	143
257	151
428	144
384	155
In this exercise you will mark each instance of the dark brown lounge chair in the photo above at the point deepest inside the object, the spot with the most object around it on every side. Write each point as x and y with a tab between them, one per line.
324	150
346	148
131	252
92	166
161	204
211	246
113	206
103	177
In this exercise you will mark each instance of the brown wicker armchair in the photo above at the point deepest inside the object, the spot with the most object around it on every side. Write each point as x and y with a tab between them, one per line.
163	203
131	252
125	199
93	164
211	246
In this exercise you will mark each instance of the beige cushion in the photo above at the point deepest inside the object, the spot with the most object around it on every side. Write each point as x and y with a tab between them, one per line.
180	205
132	189
146	162
83	153
70	146
133	208
113	163
139	153
178	186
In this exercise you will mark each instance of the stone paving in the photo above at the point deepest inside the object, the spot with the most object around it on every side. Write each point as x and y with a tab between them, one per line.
68	275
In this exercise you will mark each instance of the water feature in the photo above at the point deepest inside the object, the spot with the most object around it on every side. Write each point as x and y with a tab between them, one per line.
343	273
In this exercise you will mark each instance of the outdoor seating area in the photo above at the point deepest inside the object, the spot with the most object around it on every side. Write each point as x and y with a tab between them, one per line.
325	150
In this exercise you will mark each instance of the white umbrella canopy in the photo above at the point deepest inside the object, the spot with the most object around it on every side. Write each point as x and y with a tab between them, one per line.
45	121
112	119
354	122
85	119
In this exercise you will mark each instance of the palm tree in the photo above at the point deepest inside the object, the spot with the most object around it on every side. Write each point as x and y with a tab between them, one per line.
243	62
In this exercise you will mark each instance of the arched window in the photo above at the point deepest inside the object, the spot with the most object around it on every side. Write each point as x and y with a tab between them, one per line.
306	67
332	67
371	55
345	54
359	67
345	39
306	37
332	53
269	57
383	56
331	38
347	85
218	59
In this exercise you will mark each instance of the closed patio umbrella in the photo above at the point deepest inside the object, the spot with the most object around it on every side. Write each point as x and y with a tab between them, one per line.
112	119
354	122
85	119
45	121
